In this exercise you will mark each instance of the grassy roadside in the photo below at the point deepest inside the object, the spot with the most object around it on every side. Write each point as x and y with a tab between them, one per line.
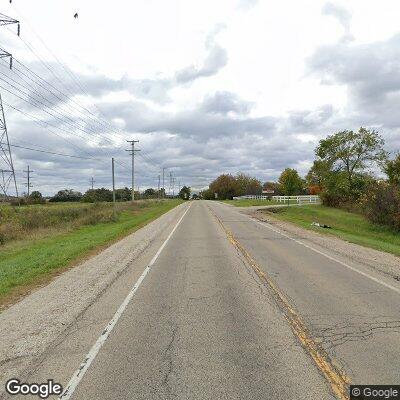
348	226
24	265
250	202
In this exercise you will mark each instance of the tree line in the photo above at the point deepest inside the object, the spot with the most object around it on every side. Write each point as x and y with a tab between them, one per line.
99	195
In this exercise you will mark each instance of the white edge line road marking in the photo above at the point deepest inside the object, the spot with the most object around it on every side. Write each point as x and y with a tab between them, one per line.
397	290
80	372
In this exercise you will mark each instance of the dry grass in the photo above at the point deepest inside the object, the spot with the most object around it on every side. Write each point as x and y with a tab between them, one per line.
37	221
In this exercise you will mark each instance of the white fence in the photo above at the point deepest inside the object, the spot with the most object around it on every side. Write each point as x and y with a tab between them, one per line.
307	199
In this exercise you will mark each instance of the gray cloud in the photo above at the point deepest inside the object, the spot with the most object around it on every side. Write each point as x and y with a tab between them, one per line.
309	120
371	71
371	74
216	59
198	123
223	102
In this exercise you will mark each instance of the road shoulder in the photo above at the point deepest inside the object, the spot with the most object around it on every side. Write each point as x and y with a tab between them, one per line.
385	263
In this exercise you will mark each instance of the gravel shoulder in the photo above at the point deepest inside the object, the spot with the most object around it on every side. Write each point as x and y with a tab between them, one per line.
382	262
29	327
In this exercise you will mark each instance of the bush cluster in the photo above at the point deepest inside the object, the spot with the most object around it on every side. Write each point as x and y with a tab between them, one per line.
381	205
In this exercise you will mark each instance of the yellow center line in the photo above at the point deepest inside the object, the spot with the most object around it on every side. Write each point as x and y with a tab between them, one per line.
336	377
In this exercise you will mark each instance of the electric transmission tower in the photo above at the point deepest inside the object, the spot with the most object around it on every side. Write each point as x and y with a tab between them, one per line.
5	20
6	162
7	172
132	152
28	179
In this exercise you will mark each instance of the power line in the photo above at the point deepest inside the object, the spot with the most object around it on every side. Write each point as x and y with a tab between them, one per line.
60	117
47	124
52	152
41	121
64	102
30	47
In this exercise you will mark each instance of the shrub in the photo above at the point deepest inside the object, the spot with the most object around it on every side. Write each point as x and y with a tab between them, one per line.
381	205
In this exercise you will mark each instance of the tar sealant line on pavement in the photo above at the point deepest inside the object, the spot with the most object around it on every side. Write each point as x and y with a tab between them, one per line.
376	280
80	372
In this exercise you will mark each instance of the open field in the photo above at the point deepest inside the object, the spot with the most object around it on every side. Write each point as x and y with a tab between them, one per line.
65	234
348	226
251	202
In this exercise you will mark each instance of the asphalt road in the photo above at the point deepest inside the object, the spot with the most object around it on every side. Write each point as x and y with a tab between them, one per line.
232	309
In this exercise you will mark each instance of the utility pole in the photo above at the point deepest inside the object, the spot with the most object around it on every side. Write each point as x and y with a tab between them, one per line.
170	183
113	185
132	152
173	186
28	179
7	171
158	192
92	181
163	185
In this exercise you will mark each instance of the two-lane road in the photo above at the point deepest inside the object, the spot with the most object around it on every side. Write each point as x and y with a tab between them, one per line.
231	309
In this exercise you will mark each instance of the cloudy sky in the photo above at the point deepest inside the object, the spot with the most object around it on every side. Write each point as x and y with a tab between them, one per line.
206	86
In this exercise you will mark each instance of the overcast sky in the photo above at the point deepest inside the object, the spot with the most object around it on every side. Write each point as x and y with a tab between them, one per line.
208	87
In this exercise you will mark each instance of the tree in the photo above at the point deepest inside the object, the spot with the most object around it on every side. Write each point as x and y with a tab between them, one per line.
66	195
36	198
207	194
247	184
350	151
149	193
225	186
36	195
124	194
185	193
97	195
318	173
392	170
290	182
161	193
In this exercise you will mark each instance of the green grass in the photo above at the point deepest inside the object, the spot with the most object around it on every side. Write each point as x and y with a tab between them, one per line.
250	202
348	226
24	264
